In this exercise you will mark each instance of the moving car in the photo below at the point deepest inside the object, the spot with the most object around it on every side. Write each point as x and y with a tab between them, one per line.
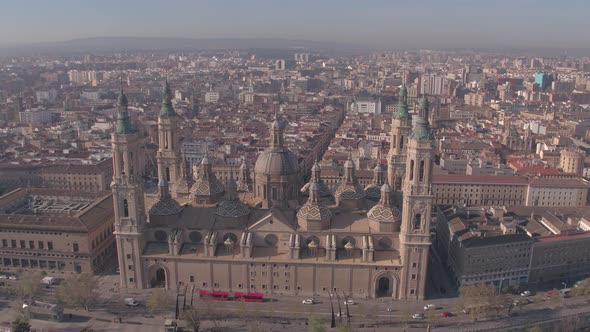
429	307
349	302
447	314
418	316
131	302
526	293
308	301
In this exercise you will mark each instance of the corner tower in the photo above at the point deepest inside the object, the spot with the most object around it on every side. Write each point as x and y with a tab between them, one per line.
417	208
401	128
127	186
168	140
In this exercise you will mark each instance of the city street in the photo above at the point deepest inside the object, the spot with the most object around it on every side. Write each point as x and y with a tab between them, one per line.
290	314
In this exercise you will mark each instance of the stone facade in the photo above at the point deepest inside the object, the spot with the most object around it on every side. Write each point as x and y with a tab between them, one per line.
273	239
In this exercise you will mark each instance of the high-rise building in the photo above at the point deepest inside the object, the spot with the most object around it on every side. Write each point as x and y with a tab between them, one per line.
544	80
432	85
280	64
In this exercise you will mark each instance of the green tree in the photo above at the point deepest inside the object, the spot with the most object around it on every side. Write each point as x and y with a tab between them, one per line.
480	299
78	290
316	324
159	301
535	329
20	325
29	286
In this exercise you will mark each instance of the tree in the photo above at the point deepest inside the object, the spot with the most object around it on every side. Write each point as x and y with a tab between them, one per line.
192	318
316	324
86	329
78	290
535	329
480	299
582	289
29	286
159	301
21	325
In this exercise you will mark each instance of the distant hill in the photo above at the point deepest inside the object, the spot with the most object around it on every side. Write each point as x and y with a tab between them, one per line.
163	44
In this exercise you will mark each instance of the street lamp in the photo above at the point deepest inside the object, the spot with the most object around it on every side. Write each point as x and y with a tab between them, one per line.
339	307
347	311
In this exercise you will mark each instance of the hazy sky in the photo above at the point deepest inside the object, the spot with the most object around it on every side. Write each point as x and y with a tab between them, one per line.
391	23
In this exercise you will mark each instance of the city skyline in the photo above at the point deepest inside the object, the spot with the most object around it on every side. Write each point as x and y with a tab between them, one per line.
375	24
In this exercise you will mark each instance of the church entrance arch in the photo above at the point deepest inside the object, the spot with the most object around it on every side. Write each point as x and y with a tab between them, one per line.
384	286
158	277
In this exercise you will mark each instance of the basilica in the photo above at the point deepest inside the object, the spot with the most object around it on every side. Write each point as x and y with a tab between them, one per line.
266	231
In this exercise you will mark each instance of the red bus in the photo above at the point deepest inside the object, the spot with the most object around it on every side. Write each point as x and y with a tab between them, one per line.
249	297
216	296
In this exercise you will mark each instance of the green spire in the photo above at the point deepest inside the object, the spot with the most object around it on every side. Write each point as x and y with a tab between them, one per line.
402	105
167	110
123	120
422	130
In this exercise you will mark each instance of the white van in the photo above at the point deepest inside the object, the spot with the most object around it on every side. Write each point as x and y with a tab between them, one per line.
48	281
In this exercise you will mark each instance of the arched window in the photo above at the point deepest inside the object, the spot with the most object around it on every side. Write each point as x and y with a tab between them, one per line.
171	140
167	174
195	237
75	246
160	236
411	170
417	221
394	141
125	208
401	142
421	170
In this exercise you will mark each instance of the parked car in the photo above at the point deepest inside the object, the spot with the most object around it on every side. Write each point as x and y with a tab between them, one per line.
526	293
447	314
308	301
131	302
390	309
349	302
418	316
429	307
12	278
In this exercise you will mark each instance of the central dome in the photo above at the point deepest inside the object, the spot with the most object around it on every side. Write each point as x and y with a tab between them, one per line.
277	161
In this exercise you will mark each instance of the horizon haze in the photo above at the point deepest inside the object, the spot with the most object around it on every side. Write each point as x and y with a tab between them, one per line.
383	24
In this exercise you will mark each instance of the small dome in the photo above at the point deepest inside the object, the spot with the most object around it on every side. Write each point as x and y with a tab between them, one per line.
205	160
277	161
385	188
165	207
314	212
228	241
350	191
349	245
382	213
232	209
312	245
206	188
182	186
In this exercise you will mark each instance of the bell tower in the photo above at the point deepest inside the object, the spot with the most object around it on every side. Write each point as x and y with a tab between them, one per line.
168	140
128	198
401	128
417	207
